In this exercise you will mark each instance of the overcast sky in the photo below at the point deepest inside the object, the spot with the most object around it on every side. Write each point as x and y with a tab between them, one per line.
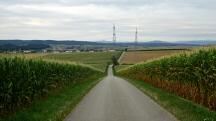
91	20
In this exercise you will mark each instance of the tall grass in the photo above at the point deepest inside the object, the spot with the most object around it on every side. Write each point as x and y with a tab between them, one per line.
22	81
191	76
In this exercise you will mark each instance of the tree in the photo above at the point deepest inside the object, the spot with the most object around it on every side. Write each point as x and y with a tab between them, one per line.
114	61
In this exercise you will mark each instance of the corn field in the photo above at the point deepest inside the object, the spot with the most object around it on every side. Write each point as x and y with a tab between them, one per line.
22	81
191	76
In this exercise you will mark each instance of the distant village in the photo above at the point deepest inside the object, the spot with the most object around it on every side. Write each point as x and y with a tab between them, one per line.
61	50
49	46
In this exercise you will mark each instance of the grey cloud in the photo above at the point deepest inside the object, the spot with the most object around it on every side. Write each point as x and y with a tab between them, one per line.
70	19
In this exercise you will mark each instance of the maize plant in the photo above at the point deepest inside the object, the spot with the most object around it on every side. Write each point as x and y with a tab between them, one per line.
191	76
23	81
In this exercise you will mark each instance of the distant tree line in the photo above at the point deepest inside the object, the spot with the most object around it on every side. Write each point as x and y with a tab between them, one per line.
12	47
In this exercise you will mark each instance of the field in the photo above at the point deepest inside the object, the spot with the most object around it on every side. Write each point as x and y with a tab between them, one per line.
56	105
184	110
43	73
189	75
96	59
133	57
23	55
25	80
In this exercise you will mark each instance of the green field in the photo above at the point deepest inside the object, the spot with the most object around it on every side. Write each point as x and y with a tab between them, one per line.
189	75
25	80
184	84
96	59
23	55
56	106
44	75
48	79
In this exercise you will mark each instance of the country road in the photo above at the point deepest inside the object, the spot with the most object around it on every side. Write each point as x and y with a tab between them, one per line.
115	99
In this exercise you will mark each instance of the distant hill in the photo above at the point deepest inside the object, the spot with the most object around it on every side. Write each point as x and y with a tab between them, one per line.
175	43
156	43
163	43
42	44
47	42
198	42
13	47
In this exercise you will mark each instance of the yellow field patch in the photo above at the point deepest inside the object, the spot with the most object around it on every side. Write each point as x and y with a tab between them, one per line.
141	56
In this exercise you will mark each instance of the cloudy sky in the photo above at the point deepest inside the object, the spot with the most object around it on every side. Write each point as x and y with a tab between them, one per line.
92	20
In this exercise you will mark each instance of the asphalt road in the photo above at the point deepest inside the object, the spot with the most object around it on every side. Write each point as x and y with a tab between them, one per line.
114	99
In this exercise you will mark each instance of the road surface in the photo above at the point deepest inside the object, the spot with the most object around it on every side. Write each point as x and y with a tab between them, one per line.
114	99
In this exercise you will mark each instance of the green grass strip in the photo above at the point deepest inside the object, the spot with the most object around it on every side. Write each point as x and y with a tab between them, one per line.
183	110
56	106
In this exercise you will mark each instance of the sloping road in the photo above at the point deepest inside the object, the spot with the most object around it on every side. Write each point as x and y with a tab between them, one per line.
114	99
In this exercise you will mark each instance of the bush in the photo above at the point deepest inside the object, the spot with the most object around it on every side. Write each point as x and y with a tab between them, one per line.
114	61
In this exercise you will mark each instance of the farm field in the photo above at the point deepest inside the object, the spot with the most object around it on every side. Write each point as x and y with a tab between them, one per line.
47	72
133	57
23	55
183	110
98	60
189	75
24	81
56	105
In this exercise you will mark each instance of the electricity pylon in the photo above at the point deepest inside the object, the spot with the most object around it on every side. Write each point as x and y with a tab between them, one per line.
136	37
114	34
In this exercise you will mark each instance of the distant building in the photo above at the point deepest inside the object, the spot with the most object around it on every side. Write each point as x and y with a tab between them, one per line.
27	51
68	51
111	50
44	51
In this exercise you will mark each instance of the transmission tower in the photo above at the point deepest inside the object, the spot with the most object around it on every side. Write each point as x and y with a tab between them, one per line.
114	34
136	37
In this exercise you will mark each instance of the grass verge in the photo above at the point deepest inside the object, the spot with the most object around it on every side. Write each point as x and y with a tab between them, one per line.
56	106
182	109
